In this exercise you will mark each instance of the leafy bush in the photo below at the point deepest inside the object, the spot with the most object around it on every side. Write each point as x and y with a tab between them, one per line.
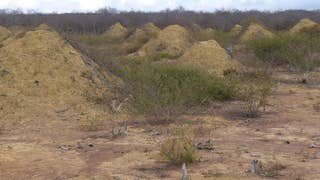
166	90
300	50
225	39
255	95
179	148
247	21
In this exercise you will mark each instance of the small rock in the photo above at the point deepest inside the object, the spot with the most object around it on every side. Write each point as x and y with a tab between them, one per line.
304	81
80	145
65	147
61	110
208	145
37	82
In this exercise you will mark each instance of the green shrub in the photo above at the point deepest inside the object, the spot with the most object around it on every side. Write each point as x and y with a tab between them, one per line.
166	90
225	39
246	22
255	95
179	148
300	50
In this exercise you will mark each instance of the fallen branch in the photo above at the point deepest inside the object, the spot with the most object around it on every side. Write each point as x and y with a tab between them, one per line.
314	146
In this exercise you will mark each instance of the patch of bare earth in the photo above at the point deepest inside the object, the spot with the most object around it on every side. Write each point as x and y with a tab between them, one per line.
55	147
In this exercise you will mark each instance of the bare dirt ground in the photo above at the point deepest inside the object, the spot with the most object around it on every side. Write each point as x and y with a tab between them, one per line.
52	146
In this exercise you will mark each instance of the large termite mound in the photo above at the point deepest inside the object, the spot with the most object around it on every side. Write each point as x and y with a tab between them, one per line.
41	70
116	32
209	56
303	24
170	43
253	31
4	33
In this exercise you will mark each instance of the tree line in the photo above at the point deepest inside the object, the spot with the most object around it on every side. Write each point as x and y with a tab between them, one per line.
99	21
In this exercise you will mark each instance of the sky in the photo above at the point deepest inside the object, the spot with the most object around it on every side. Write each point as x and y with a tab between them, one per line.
156	5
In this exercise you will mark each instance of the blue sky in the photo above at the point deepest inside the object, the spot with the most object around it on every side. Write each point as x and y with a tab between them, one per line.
156	5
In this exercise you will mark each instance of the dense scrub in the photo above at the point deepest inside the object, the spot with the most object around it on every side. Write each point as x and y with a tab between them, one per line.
167	90
298	50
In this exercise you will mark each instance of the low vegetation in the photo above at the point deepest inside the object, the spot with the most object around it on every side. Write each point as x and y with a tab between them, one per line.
256	93
167	90
299	50
179	147
225	39
271	170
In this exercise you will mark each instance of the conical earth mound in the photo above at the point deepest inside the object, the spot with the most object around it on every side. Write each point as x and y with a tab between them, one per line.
44	27
170	43
151	29
41	71
140	36
4	33
303	24
136	40
236	30
255	30
209	56
116	32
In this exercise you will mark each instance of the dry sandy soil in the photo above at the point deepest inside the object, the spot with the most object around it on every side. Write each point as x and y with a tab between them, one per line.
54	147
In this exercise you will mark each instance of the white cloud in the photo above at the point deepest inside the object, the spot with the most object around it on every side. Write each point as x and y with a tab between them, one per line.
156	5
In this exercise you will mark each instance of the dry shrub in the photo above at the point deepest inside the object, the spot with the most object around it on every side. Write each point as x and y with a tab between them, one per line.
179	147
270	170
94	123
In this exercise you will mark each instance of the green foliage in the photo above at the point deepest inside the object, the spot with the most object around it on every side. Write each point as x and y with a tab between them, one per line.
255	95
300	50
225	39
179	148
205	35
161	55
246	22
166	90
97	39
